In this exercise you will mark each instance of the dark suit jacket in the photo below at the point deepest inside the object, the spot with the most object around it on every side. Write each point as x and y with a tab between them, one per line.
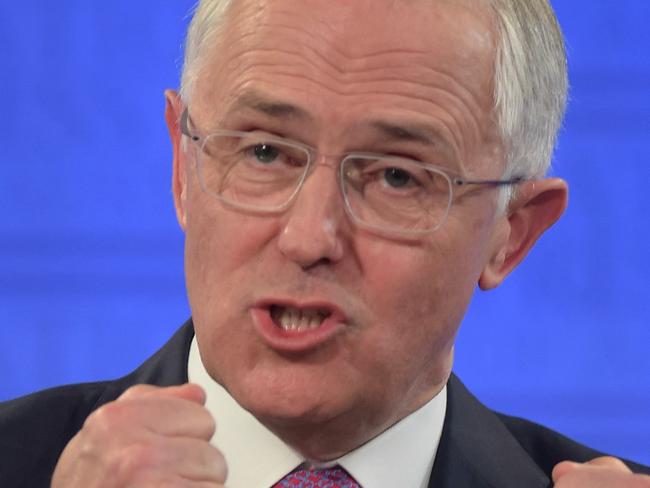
479	448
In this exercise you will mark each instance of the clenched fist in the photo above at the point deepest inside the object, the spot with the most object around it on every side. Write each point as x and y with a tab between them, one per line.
148	437
602	472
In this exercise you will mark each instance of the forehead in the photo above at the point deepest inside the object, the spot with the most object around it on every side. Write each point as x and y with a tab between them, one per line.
343	36
342	59
370	23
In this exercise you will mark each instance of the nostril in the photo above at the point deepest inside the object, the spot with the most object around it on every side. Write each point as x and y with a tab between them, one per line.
316	264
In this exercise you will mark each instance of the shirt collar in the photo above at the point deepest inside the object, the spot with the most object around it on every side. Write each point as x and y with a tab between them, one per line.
402	455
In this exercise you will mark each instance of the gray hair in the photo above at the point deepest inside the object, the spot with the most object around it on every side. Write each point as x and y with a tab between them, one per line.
530	77
207	20
530	86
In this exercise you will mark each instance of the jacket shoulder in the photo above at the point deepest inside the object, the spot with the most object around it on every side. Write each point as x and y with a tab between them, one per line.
35	428
483	448
548	447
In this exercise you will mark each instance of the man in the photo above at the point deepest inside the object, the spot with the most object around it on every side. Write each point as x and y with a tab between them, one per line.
345	173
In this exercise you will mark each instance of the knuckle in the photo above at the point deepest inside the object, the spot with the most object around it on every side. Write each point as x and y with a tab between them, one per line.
88	450
136	391
609	462
130	462
614	462
210	424
106	419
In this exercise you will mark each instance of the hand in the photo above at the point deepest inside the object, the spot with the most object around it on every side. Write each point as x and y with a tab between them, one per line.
149	436
602	472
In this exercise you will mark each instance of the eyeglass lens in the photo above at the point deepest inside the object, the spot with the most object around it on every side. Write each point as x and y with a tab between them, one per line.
390	193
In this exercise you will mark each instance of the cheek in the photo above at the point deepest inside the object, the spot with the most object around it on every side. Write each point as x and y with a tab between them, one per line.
221	250
420	293
416	309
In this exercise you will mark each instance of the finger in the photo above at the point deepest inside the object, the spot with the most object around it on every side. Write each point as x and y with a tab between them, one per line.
156	414
189	391
592	476
188	459
609	462
197	461
158	481
561	469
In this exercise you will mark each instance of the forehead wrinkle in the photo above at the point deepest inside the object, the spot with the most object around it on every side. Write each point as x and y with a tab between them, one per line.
438	133
333	41
355	72
325	40
345	64
342	61
445	129
369	75
341	64
281	19
439	129
426	77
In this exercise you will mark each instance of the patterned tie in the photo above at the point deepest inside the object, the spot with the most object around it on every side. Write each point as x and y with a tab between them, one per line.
335	477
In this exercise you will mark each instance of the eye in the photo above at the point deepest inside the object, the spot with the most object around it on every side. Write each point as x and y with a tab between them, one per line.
397	178
265	153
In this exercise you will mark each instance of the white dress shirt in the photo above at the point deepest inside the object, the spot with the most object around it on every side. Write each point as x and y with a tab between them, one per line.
402	455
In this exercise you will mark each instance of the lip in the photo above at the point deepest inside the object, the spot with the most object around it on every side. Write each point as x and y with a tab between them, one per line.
296	341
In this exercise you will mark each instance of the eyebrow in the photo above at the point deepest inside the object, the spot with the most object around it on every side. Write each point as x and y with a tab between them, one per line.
273	108
407	133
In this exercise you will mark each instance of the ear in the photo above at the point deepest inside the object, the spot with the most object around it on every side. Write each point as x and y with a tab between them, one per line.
173	110
536	207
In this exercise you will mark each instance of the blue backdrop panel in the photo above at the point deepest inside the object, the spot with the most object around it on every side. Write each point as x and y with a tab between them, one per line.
91	278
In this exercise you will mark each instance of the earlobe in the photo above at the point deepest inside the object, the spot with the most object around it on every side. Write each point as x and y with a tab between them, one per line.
535	208
173	109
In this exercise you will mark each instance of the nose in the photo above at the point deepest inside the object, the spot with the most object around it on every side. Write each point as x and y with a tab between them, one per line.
312	229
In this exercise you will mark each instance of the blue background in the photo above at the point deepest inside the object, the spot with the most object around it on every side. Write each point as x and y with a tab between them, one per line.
91	278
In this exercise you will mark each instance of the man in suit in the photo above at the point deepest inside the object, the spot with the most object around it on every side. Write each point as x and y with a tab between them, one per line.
345	174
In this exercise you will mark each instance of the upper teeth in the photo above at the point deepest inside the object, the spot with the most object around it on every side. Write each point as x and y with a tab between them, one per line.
290	318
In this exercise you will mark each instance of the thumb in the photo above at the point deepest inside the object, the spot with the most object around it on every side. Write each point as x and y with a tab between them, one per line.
562	469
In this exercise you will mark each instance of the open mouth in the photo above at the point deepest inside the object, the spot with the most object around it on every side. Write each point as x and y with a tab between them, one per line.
287	326
298	319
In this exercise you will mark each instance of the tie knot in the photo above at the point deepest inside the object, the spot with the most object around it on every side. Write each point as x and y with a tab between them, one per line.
335	477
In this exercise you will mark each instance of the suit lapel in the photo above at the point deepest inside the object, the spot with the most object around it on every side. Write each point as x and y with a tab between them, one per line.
166	367
169	365
476	449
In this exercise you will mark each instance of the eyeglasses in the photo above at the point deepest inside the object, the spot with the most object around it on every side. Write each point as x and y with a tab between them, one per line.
391	195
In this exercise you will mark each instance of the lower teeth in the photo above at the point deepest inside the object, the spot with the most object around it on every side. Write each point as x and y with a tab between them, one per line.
295	321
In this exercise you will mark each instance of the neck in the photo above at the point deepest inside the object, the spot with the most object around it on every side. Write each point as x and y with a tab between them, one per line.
324	441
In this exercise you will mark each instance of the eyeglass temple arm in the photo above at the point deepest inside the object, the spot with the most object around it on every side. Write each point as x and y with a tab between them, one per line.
511	181
185	127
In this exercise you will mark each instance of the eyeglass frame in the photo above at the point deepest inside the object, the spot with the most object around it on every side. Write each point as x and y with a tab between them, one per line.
453	179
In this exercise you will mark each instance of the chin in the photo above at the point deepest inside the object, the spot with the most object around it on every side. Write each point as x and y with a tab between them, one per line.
284	408
284	403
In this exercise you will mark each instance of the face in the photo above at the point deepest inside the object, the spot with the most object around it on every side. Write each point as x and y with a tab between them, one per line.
334	75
